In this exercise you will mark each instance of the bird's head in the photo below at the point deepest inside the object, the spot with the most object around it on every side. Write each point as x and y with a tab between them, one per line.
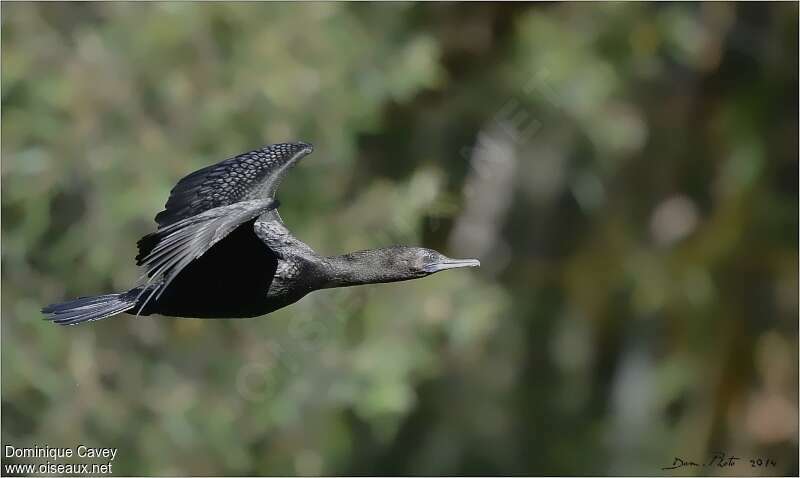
388	264
406	262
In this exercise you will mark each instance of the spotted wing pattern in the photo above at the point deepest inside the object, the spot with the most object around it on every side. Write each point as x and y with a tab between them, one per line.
252	175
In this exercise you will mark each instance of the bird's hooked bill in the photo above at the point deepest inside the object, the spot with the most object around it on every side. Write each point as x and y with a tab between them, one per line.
452	264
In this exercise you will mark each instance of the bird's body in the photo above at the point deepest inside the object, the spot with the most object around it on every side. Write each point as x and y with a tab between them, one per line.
222	251
240	278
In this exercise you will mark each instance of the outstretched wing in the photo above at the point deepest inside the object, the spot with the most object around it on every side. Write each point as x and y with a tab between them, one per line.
172	248
252	175
272	232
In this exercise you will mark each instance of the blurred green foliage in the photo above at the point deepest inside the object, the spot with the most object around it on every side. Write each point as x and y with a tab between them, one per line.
626	172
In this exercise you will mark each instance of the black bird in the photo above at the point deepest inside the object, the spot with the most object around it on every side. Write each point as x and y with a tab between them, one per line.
221	250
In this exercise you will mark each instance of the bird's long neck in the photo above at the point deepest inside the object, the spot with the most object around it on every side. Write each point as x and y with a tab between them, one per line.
361	267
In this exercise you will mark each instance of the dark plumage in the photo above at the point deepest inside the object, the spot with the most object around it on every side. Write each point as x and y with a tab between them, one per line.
222	251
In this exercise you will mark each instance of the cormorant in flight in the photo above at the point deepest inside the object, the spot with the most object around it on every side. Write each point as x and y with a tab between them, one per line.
221	250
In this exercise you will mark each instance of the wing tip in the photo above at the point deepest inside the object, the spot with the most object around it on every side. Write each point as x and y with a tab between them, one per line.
308	148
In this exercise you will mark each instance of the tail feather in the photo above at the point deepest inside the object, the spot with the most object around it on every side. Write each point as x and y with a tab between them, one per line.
86	309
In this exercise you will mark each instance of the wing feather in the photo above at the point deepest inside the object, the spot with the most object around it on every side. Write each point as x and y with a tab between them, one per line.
252	175
173	247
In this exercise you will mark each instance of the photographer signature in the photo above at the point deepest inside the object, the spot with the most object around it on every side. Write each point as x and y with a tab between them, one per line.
721	460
